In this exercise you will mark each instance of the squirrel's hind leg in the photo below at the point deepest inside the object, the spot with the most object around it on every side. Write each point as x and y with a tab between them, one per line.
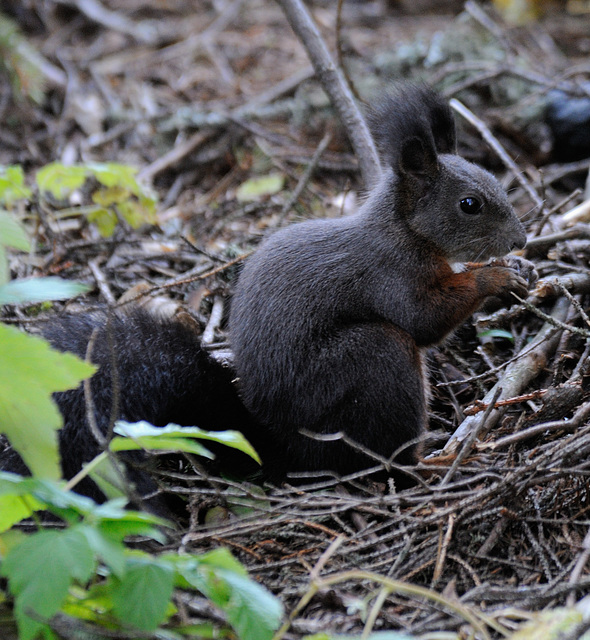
377	400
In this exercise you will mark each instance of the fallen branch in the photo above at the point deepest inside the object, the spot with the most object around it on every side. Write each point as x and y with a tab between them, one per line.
336	87
551	287
515	378
478	406
581	213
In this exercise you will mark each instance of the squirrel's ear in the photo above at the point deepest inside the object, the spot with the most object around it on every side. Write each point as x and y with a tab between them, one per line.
418	159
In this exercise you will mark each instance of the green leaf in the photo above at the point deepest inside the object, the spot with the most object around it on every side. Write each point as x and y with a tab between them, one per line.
12	185
45	494
496	333
119	193
40	571
259	187
149	202
104	219
8	541
219	558
157	443
11	232
114	511
30	371
51	494
134	213
110	518
14	508
141	597
35	290
118	523
175	438
203	631
109	549
252	611
104	473
142	435
60	180
112	174
110	195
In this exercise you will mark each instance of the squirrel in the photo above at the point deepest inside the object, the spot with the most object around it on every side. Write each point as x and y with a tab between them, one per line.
330	318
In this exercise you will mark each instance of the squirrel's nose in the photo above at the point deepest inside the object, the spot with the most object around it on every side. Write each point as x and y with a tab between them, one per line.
519	242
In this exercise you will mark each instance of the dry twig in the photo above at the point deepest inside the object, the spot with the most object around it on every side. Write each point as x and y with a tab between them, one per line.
515	377
336	87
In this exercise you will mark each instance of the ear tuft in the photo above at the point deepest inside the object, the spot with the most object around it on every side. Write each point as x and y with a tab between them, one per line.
412	111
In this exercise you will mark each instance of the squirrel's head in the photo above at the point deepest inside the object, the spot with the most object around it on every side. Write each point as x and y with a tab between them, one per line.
453	204
459	207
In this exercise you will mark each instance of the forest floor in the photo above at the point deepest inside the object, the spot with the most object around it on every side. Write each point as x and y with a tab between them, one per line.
216	105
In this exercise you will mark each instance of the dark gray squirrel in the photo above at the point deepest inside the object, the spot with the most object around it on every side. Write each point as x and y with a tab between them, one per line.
329	321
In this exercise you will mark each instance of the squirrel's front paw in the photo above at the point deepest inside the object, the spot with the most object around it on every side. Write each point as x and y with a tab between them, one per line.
524	268
516	283
501	282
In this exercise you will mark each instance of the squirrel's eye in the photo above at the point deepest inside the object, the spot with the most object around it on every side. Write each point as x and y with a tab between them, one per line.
470	205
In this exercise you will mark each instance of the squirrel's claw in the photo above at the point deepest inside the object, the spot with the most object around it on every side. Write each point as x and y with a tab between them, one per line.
525	269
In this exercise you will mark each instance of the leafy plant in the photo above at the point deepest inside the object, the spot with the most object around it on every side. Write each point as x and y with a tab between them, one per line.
117	193
260	187
143	435
489	334
111	190
31	420
12	185
86	571
24	357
